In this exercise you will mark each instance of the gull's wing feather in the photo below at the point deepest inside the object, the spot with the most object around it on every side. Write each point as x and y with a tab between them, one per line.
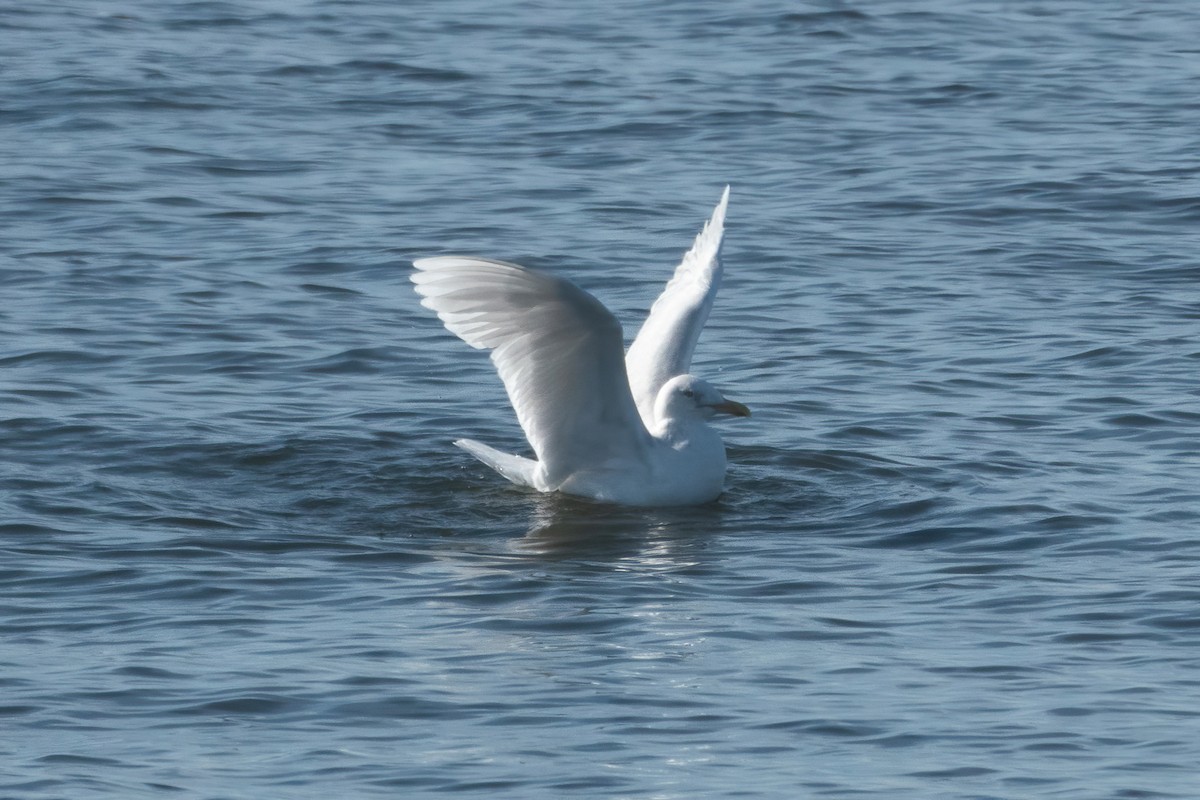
557	349
664	346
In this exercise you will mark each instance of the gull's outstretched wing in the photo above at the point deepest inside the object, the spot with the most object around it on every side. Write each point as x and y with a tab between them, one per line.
557	349
663	347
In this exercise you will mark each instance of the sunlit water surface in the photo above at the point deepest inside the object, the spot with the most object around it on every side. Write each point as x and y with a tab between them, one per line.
957	557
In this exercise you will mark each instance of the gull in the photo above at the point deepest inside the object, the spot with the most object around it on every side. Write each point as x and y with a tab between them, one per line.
614	427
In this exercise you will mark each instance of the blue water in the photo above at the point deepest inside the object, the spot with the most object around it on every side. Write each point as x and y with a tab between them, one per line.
959	553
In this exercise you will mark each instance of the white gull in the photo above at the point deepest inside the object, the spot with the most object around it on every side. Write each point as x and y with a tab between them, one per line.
626	428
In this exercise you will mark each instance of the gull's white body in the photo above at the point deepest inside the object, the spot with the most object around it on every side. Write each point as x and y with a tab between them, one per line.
620	428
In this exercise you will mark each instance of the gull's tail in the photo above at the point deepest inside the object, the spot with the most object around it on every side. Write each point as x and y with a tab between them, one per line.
517	469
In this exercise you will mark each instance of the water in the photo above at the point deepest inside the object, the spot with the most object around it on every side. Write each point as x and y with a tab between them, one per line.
958	553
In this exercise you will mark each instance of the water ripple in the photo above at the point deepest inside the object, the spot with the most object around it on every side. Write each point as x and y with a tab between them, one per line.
955	553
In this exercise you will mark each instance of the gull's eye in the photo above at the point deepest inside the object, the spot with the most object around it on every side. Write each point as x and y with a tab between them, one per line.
688	393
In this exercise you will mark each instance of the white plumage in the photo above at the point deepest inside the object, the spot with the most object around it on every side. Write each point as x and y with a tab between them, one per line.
620	428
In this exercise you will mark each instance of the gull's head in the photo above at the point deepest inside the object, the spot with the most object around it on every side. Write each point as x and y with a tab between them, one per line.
688	396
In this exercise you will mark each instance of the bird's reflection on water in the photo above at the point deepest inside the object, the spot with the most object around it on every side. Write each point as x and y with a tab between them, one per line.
566	527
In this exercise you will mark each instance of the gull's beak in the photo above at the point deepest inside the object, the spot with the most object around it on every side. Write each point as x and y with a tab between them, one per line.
732	407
